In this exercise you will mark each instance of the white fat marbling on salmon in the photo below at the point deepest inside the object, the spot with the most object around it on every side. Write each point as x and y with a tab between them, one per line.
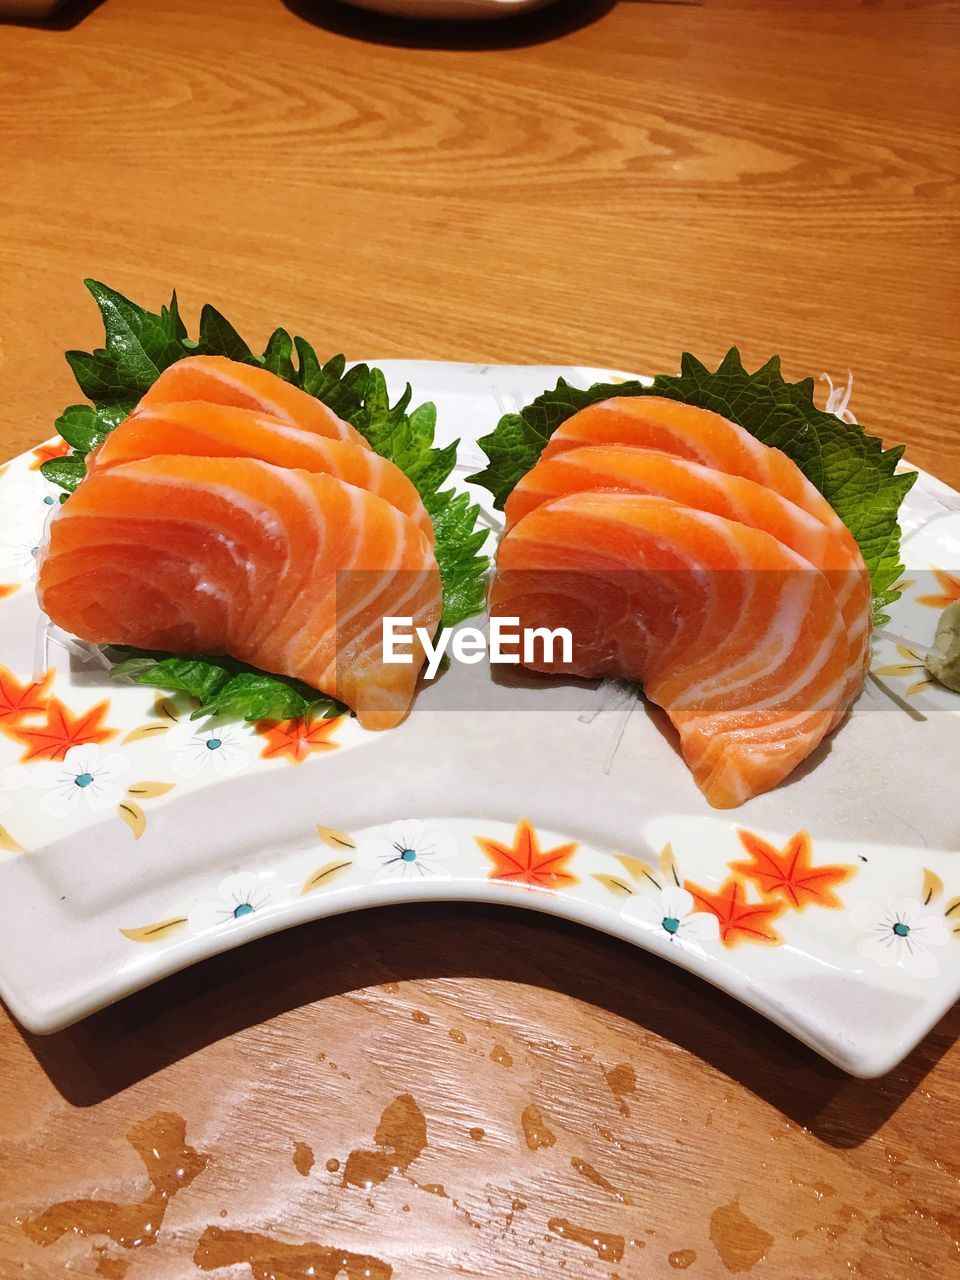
245	563
758	666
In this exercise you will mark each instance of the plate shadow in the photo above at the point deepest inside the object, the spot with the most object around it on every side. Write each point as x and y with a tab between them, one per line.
134	1039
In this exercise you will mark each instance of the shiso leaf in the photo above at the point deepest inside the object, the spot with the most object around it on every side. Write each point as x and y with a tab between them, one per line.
225	688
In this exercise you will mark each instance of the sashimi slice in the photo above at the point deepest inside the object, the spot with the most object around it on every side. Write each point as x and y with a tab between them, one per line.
211	430
736	636
699	435
619	468
288	570
247	386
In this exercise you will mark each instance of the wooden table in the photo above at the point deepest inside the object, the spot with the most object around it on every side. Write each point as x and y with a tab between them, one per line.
599	183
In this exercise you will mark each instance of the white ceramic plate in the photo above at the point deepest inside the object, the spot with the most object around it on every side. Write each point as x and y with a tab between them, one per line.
832	905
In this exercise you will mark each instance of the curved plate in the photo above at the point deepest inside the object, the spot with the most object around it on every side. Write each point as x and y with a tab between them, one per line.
832	905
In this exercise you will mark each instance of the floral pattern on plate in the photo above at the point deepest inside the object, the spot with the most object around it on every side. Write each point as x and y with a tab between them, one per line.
84	776
295	740
523	862
223	749
672	912
238	897
410	850
748	903
901	932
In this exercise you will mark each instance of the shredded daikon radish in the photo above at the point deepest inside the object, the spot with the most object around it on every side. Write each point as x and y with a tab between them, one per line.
82	649
620	727
886	634
838	398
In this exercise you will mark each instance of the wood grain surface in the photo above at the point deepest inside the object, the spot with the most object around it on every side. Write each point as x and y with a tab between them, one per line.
607	184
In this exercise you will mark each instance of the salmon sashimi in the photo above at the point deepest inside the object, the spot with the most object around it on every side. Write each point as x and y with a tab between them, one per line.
699	435
212	430
289	570
621	468
739	638
247	386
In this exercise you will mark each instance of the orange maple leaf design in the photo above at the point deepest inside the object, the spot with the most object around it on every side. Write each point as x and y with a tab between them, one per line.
294	740
62	730
47	452
740	921
789	872
19	700
524	862
951	590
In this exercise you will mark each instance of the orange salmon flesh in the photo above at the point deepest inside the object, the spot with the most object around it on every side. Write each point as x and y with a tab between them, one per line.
232	513
686	555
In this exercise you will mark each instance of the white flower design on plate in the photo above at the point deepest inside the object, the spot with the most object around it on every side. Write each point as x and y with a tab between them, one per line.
900	934
34	495
18	551
11	779
671	914
409	851
83	776
224	748
241	895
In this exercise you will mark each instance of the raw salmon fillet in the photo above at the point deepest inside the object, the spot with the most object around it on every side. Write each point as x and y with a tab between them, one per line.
735	635
247	386
683	553
699	435
213	430
287	569
619	468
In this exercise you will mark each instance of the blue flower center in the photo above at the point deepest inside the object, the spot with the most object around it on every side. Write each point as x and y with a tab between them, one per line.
244	909
408	855
901	929
83	779
670	923
213	743
48	501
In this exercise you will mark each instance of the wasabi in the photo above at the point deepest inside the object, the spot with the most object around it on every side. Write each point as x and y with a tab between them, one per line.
943	662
